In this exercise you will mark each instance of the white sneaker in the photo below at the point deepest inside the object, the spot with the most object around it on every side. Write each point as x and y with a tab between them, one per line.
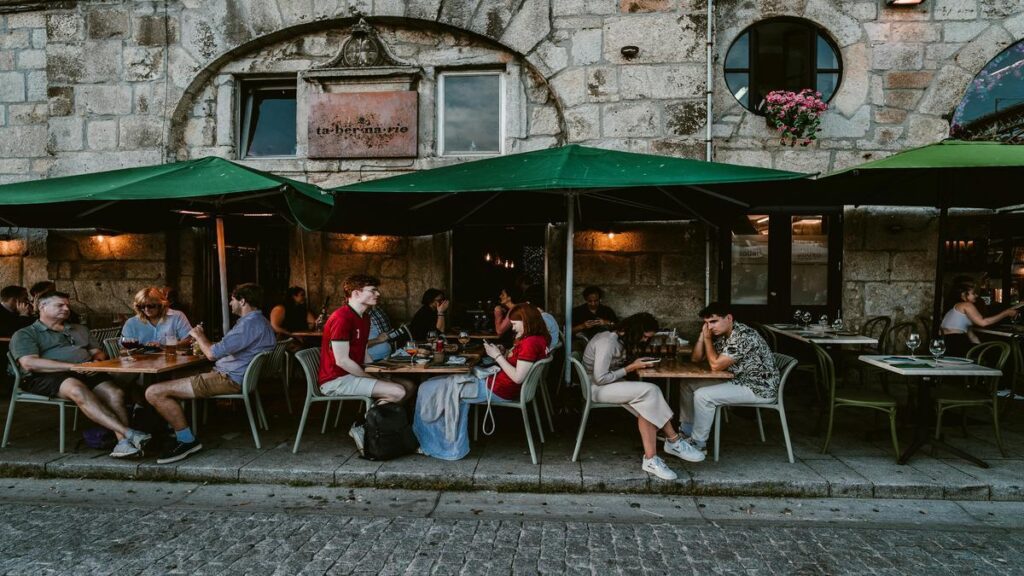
124	449
357	433
683	449
658	467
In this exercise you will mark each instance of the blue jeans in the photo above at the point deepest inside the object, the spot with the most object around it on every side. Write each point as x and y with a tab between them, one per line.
431	434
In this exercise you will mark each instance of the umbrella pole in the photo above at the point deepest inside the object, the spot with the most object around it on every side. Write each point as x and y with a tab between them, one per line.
940	269
570	201
222	268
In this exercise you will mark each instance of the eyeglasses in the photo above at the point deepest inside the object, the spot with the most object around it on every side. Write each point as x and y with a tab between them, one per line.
148	306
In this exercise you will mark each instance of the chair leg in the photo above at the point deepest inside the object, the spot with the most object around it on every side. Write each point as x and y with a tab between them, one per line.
546	397
302	424
529	434
995	426
10	420
718	429
252	421
579	435
74	422
828	433
260	412
892	430
938	422
536	413
61	407
785	433
327	415
760	426
337	417
287	381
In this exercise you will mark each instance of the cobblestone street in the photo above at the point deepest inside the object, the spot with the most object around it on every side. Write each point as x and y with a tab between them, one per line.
294	530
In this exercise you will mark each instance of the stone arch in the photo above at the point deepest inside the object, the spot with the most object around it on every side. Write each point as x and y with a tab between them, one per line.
200	80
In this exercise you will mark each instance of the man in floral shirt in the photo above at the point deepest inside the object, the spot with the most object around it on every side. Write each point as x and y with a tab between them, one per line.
734	347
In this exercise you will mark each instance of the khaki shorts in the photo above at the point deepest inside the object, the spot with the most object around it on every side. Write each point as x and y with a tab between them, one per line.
213	384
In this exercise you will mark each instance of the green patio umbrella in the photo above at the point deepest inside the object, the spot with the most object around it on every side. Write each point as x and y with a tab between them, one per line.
947	174
573	182
165	196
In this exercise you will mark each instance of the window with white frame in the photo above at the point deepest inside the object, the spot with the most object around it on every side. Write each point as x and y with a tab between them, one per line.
470	113
267	126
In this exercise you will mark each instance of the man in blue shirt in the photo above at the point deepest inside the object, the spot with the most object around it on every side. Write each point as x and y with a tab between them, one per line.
251	335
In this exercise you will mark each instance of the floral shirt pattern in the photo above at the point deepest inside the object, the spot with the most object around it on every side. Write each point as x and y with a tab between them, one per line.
753	362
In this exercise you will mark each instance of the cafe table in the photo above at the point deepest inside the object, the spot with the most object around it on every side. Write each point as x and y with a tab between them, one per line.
308	334
474	335
927	371
145	365
683	370
404	366
826	337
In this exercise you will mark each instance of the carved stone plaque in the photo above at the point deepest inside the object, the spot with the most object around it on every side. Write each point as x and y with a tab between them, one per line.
363	124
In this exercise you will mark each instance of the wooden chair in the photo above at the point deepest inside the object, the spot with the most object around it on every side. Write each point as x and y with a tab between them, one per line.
785	365
309	360
981	392
849	398
20	396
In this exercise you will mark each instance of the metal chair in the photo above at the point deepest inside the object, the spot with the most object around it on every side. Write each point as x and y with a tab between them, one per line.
17	395
895	337
280	364
848	397
249	394
979	391
785	365
766	334
527	394
877	328
102	334
112	346
589	403
309	360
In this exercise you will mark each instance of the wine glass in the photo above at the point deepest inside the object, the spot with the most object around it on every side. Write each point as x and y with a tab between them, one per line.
837	324
913	341
937	347
126	349
463	340
411	349
798	316
807	317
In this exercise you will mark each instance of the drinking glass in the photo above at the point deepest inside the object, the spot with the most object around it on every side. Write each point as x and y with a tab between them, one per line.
411	349
798	316
170	345
126	349
837	324
463	340
913	341
937	347
807	317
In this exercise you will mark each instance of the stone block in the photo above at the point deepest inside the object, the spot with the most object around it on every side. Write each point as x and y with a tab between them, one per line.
140	132
663	82
23	141
569	86
955	9
807	161
529	26
394	268
7	59
65	134
602	83
634	6
896	229
106	24
909	80
925	130
635	119
584	7
16	40
94	270
102	61
14	166
12	87
897	298
544	121
602	269
839	126
859	266
914	266
101	135
973	57
31	59
684	118
63	27
760	158
155	30
61	100
35	86
903	99
103	100
679	148
682	269
82	162
829	15
64	63
646	270
897	56
660	38
586	46
553	56
856	80
660	239
962	31
946	91
890	116
143	64
910	32
35	19
144	270
39	38
583	123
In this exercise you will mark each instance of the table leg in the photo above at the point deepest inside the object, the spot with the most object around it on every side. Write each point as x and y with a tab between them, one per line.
922	429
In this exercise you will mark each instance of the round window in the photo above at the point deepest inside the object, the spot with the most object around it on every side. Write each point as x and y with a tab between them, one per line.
781	54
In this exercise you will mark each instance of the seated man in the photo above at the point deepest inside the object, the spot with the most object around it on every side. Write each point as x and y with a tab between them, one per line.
15	310
592	316
251	335
49	348
44	286
379	345
727	346
343	351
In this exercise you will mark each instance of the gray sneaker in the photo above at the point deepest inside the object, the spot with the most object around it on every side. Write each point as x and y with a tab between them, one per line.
357	433
124	449
685	450
138	439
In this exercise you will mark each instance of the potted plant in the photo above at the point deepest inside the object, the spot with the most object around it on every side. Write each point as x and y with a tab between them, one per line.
796	116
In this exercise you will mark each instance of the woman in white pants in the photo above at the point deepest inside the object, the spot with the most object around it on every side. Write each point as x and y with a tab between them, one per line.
605	361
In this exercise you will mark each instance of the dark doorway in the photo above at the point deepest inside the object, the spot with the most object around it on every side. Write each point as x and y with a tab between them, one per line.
485	260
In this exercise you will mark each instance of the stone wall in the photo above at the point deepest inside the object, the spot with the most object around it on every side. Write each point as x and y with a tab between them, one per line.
405	266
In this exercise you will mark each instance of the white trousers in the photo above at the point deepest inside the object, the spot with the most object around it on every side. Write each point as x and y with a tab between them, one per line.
699	400
642	399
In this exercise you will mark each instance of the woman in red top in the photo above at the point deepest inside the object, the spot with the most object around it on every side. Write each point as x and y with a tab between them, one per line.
446	435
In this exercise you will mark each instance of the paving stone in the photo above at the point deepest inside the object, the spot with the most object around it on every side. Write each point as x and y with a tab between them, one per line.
800	510
772	476
893	481
843	481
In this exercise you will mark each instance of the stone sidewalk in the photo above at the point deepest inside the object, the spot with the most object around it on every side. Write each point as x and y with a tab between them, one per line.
609	462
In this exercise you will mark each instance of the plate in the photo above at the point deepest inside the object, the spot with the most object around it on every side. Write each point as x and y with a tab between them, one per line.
953	360
423	361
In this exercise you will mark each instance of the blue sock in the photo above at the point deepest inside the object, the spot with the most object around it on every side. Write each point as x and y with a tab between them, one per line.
184	435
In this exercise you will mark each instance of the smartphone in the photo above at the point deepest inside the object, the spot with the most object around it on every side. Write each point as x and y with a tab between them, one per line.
651	360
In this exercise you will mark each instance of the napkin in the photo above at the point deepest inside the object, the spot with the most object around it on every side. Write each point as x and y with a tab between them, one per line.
400	353
456	361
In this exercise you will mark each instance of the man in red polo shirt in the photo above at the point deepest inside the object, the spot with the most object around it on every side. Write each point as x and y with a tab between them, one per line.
343	351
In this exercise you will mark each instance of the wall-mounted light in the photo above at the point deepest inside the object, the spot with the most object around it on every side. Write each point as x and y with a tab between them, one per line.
512	265
102	234
611	235
901	3
629	52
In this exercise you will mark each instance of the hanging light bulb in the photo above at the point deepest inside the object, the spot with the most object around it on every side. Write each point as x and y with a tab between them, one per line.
487	257
507	264
512	265
497	261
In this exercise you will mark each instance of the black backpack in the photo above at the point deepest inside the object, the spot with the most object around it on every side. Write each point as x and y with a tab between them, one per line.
387	433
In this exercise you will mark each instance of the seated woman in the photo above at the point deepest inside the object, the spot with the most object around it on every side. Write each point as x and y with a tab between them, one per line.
507	300
292	315
957	323
444	434
430	316
605	361
155	320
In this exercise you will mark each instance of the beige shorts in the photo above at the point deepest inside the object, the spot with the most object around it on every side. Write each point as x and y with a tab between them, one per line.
213	383
349	385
